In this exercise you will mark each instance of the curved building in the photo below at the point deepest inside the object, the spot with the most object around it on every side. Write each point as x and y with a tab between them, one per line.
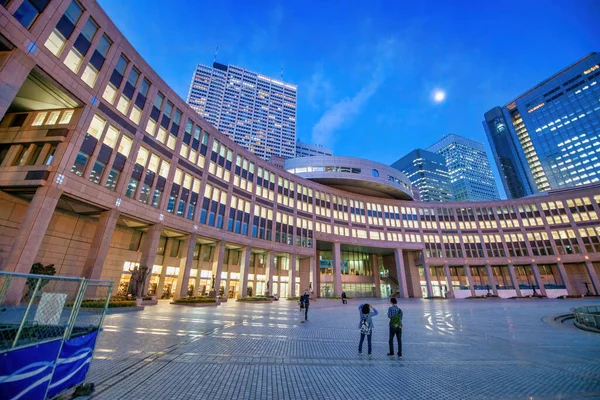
104	168
354	175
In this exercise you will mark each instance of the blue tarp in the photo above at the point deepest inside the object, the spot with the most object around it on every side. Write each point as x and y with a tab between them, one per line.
73	363
25	373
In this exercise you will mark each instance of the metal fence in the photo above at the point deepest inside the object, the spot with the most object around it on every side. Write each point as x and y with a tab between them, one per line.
47	308
46	338
587	318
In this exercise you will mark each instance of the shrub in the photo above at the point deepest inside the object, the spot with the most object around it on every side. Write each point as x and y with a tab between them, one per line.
294	298
39	269
255	298
194	300
111	304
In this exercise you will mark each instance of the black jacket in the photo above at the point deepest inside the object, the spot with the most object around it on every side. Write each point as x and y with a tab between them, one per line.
305	299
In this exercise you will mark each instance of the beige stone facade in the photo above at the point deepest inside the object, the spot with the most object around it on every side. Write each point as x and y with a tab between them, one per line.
103	167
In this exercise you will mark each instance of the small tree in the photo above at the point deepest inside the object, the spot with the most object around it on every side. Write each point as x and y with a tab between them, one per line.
39	269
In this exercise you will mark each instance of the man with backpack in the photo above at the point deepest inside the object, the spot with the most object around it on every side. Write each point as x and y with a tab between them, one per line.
395	316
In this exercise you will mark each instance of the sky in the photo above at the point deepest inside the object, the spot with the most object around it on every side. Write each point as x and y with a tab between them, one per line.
366	70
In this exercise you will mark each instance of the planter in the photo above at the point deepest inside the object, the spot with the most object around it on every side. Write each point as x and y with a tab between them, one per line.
245	300
196	304
149	302
113	310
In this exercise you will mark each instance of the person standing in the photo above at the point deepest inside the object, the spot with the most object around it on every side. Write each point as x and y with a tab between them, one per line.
366	325
344	297
395	316
304	303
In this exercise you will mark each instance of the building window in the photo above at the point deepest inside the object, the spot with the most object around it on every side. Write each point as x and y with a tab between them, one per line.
64	29
113	178
96	174
115	80
91	71
80	163
131	188
375	173
29	10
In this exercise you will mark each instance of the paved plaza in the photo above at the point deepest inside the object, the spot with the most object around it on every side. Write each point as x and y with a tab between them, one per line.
457	349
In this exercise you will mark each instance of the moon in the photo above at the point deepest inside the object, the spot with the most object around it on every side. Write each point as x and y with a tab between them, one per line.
439	95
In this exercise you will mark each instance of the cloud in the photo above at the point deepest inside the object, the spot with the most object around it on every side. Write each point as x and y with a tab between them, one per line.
317	90
345	110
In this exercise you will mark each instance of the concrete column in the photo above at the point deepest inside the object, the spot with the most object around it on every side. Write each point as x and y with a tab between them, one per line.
148	250
376	278
292	275
450	293
563	274
513	278
304	271
160	287
26	244
491	279
538	279
314	277
401	273
218	269
337	269
269	267
244	268
427	273
469	279
98	251
12	76
593	276
185	266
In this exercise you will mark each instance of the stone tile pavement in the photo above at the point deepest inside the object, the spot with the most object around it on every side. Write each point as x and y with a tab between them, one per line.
456	349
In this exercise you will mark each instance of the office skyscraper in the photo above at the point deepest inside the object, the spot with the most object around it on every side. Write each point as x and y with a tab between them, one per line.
469	168
257	112
428	172
308	150
549	137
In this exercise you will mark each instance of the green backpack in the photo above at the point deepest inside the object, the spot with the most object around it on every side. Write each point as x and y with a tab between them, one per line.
396	321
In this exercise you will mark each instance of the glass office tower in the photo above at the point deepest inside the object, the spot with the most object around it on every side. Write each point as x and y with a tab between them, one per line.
257	112
549	137
469	168
428	172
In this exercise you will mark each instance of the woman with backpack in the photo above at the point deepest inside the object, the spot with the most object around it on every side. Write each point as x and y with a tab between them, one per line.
366	325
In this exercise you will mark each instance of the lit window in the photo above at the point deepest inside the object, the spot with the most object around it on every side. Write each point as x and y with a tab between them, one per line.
109	93
53	118
73	60
125	145
123	104
135	114
151	127
39	119
66	117
96	127
112	135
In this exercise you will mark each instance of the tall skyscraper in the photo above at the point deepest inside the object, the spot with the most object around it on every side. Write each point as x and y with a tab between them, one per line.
549	137
308	150
257	112
469	168
428	172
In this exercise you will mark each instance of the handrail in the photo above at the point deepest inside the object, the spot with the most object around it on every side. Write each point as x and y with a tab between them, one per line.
54	277
588	318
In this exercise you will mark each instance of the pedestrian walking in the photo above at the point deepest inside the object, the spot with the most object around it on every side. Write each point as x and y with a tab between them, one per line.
395	316
344	297
304	303
366	325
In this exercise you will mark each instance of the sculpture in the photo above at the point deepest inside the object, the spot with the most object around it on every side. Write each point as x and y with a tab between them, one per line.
138	281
